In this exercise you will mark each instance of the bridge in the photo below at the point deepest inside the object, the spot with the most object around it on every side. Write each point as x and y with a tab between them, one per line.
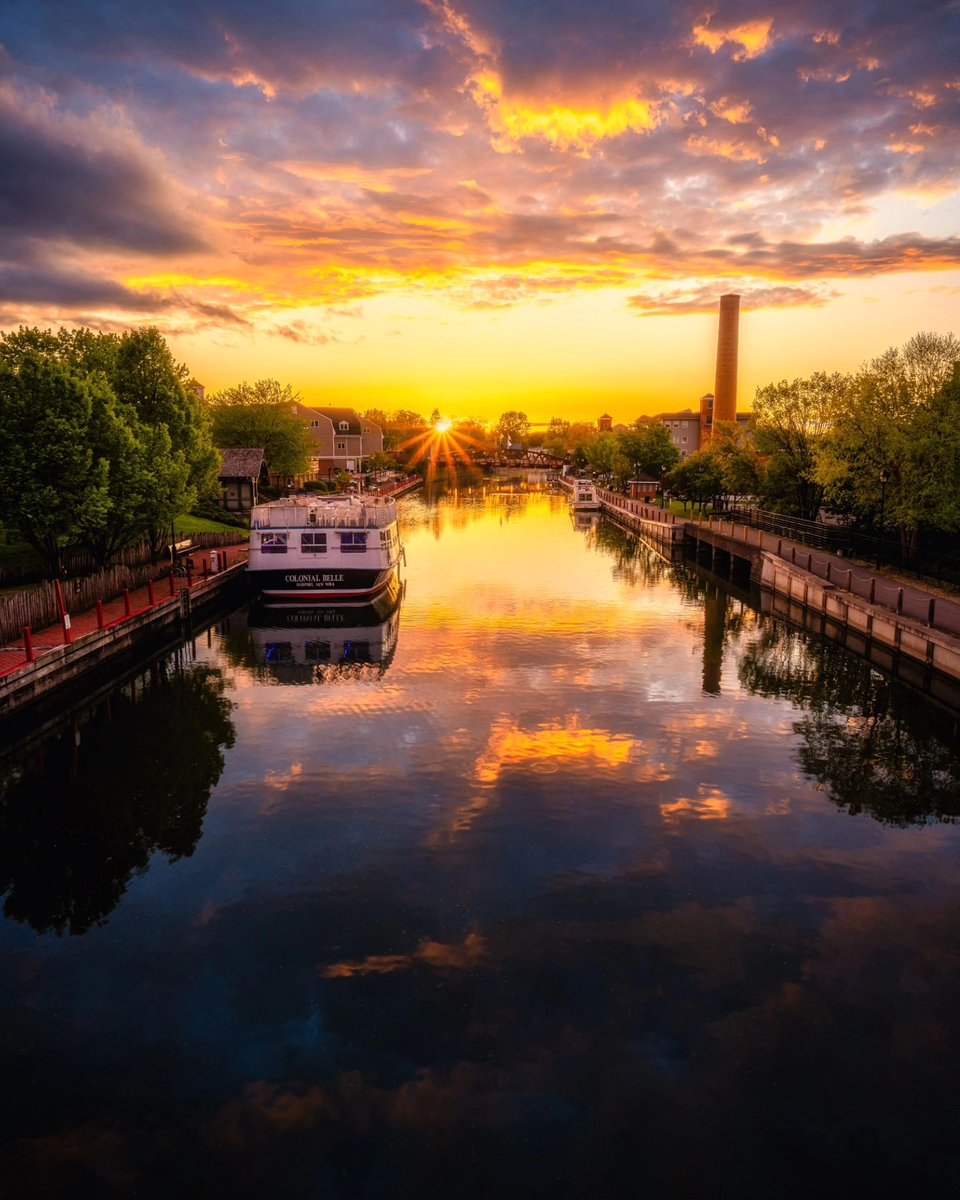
533	459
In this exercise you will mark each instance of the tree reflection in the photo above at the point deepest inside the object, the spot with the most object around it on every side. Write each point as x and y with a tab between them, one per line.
875	746
87	811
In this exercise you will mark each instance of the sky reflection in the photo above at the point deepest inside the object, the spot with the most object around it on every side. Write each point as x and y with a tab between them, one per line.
517	913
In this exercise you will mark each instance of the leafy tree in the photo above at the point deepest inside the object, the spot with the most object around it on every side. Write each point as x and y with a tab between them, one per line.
600	453
512	428
791	420
649	448
146	377
735	453
53	487
898	419
696	479
261	415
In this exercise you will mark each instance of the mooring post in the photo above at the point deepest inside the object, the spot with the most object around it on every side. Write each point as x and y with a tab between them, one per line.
100	620
126	602
172	585
64	615
28	644
189	572
150	596
931	611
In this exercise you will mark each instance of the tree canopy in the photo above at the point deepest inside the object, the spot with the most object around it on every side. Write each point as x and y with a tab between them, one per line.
102	442
261	415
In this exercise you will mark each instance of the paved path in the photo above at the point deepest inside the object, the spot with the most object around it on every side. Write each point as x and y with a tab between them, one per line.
13	656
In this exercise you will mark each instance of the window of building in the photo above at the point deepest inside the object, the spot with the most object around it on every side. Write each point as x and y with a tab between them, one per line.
353	543
313	543
273	543
317	652
344	426
341	447
684	438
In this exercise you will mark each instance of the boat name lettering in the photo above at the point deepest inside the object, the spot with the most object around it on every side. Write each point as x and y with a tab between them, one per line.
313	579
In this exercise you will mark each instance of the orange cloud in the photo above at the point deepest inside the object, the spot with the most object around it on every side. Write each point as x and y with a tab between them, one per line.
753	38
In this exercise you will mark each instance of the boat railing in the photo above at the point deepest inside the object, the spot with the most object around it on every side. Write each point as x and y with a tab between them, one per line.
303	517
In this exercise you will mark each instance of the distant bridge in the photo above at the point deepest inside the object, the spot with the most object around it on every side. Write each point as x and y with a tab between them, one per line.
533	459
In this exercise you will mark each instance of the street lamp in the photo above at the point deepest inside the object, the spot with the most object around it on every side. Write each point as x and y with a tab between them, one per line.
884	480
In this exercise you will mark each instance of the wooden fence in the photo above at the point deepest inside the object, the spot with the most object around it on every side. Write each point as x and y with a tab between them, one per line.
38	606
80	562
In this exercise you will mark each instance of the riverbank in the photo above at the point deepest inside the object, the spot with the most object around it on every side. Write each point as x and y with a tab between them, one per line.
86	643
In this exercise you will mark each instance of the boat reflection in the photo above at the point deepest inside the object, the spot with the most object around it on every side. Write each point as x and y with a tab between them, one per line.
584	519
318	643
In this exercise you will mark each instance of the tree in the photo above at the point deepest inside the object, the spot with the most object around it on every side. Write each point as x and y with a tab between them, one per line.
600	453
53	487
512	428
791	421
697	479
649	448
734	450
898	419
262	415
146	377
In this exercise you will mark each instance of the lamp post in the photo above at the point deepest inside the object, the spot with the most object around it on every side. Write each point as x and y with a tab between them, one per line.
884	479
660	481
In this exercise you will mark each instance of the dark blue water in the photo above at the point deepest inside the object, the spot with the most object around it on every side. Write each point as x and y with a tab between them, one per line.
568	875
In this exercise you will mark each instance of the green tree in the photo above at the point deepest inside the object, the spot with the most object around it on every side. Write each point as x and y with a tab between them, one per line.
146	377
261	415
53	486
899	420
696	479
601	452
735	452
791	421
649	448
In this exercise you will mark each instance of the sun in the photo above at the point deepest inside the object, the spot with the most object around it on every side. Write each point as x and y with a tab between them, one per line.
443	426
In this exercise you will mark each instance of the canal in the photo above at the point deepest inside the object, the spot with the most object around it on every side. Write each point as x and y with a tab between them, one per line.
566	875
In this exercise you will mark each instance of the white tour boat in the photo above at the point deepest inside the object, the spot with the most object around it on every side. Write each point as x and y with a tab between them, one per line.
323	548
585	496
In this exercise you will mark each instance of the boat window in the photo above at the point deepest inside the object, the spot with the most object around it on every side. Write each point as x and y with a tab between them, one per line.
273	543
353	543
313	543
279	652
317	652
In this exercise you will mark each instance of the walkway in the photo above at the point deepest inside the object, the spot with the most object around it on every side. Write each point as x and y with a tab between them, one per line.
112	614
908	600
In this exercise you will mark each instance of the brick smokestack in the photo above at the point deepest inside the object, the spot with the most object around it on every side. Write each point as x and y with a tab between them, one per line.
725	390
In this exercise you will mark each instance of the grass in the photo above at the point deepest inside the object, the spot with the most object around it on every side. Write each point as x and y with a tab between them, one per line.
15	553
187	523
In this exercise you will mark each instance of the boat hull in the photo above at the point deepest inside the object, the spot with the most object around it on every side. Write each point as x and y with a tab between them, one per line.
304	585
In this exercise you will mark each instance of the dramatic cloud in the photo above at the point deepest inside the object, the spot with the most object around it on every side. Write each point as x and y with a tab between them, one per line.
253	165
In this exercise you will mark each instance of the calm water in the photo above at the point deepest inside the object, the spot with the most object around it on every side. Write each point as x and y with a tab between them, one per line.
570	877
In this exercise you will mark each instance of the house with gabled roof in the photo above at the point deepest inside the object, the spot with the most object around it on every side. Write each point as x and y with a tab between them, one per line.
341	438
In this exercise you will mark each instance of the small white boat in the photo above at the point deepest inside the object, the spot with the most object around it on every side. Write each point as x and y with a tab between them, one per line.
585	496
323	548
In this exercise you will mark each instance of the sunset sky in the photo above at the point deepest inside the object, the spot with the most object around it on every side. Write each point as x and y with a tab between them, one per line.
478	205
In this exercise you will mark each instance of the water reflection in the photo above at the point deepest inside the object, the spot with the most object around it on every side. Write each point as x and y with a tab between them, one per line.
316	643
81	816
531	912
874	746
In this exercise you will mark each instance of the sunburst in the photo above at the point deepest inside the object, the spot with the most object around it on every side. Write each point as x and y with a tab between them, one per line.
442	445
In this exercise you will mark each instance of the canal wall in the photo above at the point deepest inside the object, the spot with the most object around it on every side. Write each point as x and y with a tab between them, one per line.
883	619
59	670
896	632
